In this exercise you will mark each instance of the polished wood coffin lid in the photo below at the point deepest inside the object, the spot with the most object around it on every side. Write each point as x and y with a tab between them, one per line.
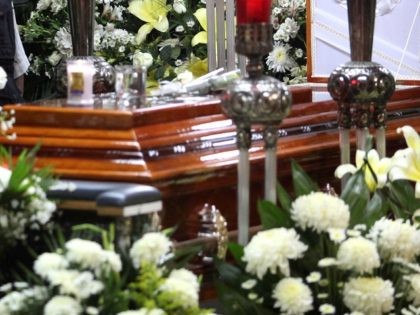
188	151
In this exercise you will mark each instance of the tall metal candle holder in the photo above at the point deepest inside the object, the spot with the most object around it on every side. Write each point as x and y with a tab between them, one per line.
361	87
255	100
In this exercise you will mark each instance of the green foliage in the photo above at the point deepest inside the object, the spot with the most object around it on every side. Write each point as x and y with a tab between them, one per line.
302	183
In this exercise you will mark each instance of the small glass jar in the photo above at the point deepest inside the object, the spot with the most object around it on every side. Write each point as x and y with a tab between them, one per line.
130	86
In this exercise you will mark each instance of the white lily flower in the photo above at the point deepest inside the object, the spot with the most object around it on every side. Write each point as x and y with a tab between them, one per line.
406	162
154	13
379	166
201	37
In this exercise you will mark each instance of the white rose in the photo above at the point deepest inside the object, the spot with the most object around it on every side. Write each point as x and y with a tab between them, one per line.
43	5
179	6
54	58
142	59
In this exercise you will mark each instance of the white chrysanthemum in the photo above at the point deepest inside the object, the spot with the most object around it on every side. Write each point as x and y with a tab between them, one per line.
80	284
314	277
327	309
185	291
327	262
292	296
249	284
373	296
358	254
337	235
143	311
47	262
110	261
187	276
152	247
272	249
396	239
320	212
414	293
279	59
62	305
86	253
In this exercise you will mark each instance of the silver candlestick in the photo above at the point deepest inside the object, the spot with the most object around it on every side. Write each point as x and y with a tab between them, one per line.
361	87
255	100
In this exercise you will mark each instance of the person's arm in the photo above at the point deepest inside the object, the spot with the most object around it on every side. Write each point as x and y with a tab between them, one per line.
21	63
20	83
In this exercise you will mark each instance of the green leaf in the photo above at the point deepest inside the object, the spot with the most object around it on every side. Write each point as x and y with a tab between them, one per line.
376	208
175	52
402	199
229	273
283	197
272	216
233	302
356	195
302	183
237	251
166	53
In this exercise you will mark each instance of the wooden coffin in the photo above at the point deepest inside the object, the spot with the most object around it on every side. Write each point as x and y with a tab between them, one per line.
188	151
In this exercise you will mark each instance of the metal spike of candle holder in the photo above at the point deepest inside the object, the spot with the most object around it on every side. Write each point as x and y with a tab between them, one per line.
256	99
361	87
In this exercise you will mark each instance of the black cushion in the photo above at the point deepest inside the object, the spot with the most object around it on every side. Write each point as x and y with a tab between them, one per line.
117	194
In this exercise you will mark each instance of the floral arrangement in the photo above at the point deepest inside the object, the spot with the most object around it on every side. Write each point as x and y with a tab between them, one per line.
84	277
357	253
169	37
24	206
287	60
153	33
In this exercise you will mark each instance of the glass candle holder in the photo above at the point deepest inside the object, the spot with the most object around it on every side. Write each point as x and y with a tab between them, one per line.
130	86
253	11
80	82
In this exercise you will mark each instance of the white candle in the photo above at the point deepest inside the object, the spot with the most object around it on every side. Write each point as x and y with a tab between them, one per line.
80	82
381	142
243	196
344	135
270	174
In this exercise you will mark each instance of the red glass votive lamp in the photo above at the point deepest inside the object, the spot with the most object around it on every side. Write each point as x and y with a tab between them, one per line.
253	11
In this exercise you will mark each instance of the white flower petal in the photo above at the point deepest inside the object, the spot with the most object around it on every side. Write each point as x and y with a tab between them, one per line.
344	169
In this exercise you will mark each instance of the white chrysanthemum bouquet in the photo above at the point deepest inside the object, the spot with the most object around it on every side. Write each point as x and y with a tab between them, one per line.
357	253
287	60
84	278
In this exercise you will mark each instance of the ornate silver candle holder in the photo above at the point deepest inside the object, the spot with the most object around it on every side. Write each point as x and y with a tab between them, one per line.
361	87
255	100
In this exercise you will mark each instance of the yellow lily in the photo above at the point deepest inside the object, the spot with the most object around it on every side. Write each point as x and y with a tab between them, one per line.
406	162
201	37
153	12
379	166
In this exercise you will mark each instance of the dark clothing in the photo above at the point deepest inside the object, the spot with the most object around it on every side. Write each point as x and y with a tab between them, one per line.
10	93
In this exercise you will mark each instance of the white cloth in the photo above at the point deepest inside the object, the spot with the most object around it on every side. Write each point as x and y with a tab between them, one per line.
21	63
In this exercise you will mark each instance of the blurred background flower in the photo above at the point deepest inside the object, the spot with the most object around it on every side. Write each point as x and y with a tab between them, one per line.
168	36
